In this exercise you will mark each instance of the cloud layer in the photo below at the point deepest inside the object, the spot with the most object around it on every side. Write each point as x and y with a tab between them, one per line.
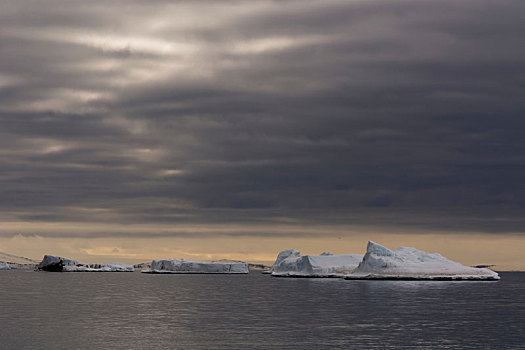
405	115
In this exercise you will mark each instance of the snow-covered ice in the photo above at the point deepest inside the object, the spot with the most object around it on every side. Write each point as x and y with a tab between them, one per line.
59	264
410	263
196	266
4	266
291	263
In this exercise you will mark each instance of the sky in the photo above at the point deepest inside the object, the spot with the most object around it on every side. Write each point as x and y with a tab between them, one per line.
134	130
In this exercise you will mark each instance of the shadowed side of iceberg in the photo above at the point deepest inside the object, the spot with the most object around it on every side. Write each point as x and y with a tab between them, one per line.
291	263
53	263
181	266
407	263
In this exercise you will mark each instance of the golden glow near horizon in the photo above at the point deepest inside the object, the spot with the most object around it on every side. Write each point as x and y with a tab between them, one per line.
504	251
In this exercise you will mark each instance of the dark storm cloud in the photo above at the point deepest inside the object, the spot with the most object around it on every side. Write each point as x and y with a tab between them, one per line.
399	114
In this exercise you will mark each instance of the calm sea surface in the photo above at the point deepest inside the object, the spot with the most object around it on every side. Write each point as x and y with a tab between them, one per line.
40	310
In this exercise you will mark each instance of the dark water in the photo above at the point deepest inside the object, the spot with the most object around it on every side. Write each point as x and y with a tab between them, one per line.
41	310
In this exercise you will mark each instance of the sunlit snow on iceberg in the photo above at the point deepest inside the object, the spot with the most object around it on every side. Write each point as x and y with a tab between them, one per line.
410	263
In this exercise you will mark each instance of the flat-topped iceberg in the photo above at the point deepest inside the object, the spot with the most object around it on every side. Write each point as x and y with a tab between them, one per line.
410	263
59	264
4	266
196	266
291	263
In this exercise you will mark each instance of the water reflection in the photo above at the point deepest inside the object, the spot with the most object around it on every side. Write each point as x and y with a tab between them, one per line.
137	311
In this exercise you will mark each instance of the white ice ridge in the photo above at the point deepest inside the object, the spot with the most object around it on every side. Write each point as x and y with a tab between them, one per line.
196	266
410	263
4	266
59	264
291	263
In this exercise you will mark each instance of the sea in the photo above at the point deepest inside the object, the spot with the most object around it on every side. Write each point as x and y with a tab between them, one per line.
46	310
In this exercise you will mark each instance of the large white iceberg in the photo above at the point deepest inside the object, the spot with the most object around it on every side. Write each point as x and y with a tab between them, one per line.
291	263
4	266
196	266
59	264
410	263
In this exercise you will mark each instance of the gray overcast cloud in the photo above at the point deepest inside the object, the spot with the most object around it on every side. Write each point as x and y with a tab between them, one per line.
402	114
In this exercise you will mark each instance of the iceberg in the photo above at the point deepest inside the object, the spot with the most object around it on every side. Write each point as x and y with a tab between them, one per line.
58	264
291	263
410	263
196	266
4	266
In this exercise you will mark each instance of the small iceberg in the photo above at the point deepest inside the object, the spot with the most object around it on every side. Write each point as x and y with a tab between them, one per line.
291	263
58	264
4	266
196	266
408	263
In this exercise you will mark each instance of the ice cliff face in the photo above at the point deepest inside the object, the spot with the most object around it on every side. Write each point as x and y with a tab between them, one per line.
292	263
411	263
59	264
4	266
196	266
